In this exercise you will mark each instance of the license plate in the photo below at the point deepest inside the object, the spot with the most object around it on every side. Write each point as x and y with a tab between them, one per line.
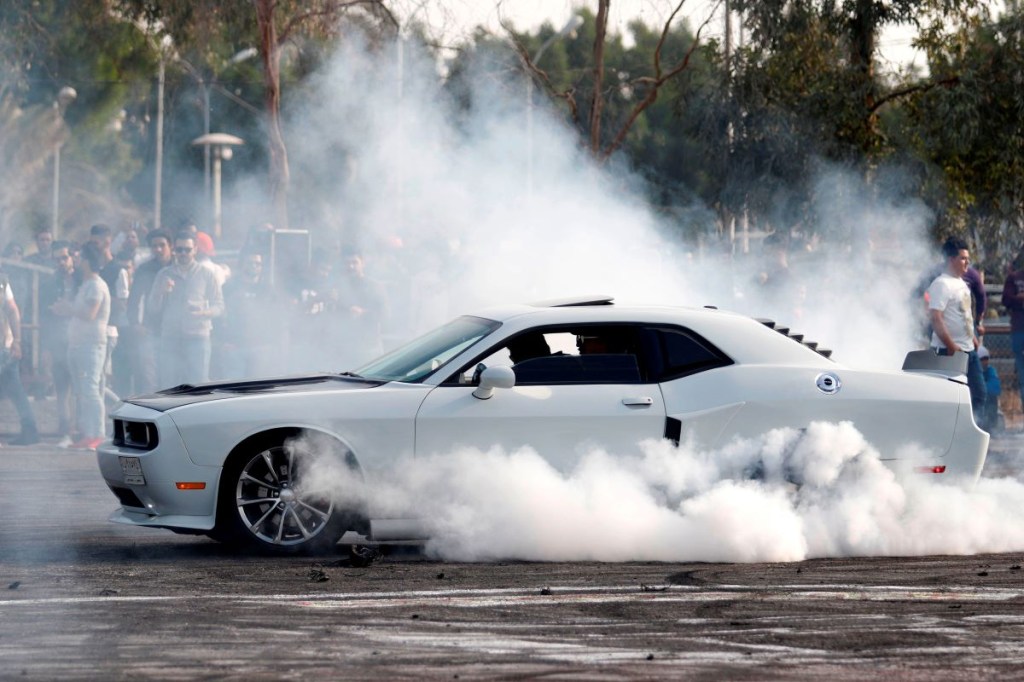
131	467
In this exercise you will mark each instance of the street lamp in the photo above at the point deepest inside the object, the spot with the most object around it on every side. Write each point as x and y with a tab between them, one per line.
206	84
65	97
218	145
575	21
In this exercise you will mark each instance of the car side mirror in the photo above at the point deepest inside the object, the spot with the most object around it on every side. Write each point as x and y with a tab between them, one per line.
492	378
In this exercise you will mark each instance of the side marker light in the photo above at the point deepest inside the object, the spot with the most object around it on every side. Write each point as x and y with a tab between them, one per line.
190	485
941	469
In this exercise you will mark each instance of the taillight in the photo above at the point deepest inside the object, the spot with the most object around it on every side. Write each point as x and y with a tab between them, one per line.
940	469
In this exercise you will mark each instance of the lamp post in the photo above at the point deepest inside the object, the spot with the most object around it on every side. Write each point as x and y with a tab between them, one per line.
575	21
65	97
219	147
206	84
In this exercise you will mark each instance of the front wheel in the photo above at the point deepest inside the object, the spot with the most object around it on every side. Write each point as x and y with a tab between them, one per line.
273	498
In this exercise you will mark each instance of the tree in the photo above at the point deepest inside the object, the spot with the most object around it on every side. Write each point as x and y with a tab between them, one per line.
775	25
643	86
209	26
46	45
970	133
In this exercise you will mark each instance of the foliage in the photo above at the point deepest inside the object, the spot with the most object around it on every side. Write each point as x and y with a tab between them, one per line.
747	134
971	131
46	45
206	27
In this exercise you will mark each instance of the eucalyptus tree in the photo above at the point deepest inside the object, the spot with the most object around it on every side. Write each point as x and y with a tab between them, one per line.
218	29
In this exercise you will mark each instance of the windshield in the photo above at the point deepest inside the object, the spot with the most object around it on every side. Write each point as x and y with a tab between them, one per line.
423	356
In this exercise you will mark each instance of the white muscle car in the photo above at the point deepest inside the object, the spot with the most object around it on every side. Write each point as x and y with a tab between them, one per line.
236	460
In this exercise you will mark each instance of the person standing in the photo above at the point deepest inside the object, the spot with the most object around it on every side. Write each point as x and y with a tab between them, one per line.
187	296
1013	301
249	336
362	308
951	313
53	332
143	326
10	364
994	388
87	346
44	247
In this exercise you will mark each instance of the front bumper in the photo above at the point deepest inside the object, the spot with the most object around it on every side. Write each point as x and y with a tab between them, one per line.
155	499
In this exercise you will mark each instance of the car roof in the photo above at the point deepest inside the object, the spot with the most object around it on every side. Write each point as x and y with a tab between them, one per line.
745	339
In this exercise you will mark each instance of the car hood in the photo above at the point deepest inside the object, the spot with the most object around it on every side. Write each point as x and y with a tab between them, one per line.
187	394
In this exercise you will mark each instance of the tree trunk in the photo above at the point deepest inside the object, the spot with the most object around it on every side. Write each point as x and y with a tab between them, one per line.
863	40
597	103
270	53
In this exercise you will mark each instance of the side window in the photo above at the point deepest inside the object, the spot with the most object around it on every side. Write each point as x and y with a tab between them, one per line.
570	355
596	368
683	353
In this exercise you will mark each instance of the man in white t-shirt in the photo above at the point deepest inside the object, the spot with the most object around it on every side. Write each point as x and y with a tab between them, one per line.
949	306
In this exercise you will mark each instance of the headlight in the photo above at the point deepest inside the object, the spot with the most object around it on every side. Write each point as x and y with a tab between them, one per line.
138	435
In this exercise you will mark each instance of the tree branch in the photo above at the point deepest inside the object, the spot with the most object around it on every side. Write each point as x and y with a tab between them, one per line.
330	10
597	101
912	90
532	70
659	79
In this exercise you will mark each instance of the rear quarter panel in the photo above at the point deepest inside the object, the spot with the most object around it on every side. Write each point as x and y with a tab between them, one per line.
893	410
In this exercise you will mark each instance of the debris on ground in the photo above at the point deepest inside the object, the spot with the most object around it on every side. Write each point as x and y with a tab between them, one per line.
317	574
362	555
684	578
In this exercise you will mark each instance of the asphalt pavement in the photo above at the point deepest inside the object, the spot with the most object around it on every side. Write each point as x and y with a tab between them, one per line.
85	599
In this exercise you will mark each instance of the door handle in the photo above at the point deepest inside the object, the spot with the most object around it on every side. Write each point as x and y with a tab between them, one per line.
638	402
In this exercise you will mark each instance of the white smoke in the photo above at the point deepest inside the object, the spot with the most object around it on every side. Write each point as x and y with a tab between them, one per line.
787	496
485	211
459	208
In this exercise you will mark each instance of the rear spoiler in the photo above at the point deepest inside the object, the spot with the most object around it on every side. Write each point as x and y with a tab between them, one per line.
928	361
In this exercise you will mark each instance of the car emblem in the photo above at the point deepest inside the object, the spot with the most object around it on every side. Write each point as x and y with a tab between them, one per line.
828	383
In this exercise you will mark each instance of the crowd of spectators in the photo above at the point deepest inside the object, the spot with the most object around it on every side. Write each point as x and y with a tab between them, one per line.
133	312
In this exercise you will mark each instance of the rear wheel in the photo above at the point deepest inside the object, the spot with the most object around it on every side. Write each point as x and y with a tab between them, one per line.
273	497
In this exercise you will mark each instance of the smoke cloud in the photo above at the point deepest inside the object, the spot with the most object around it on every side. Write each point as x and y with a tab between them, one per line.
458	208
786	496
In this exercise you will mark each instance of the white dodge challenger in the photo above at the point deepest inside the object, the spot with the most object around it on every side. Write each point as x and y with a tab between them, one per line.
238	461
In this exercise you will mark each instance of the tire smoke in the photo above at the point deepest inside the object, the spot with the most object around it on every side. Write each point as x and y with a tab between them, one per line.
787	496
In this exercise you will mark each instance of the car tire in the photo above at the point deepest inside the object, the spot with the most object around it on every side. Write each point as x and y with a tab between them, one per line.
264	505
